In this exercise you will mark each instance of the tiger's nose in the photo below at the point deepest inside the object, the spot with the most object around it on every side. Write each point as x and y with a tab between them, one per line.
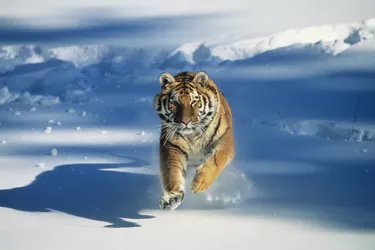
185	121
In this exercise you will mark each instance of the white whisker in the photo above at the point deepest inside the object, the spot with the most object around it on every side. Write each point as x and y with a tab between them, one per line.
174	132
168	135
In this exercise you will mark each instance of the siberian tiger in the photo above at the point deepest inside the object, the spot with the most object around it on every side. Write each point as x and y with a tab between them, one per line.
196	131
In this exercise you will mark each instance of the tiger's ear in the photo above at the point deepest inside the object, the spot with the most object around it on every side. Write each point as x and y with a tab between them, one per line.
201	78
166	78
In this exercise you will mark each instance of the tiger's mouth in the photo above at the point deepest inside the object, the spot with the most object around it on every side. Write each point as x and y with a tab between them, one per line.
185	128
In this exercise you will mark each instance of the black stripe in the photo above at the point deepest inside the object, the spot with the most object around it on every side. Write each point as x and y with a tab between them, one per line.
182	79
221	136
183	87
216	129
215	161
209	150
159	105
162	117
204	103
188	84
209	102
182	74
212	89
165	104
179	85
179	149
178	88
211	147
188	87
187	79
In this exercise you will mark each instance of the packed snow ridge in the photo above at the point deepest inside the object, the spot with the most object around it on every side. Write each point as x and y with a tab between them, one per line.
46	76
80	56
26	98
11	56
332	39
323	129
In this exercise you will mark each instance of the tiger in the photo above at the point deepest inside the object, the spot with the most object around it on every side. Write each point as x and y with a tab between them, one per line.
196	132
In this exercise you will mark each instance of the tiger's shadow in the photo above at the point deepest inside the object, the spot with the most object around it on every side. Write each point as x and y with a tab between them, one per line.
86	191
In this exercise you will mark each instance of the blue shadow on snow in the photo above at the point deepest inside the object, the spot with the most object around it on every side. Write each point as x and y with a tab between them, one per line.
84	190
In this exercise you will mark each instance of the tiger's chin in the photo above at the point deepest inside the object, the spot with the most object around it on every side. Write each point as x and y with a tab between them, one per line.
186	131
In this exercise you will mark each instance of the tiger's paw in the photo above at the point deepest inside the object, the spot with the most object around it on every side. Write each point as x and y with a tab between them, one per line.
201	182
171	200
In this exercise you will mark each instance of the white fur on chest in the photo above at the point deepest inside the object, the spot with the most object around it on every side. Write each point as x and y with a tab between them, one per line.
196	159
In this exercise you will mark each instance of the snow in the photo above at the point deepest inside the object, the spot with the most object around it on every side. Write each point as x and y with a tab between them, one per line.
54	152
41	165
79	163
186	51
11	56
48	130
80	55
332	39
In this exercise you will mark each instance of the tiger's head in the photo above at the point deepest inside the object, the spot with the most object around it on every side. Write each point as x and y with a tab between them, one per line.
187	103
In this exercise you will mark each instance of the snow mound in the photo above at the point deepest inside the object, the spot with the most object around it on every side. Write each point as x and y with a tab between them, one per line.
81	55
11	56
72	73
337	37
325	129
331	131
365	49
329	39
186	51
7	97
50	78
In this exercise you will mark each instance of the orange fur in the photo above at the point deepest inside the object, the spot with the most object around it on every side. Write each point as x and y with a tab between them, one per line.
214	140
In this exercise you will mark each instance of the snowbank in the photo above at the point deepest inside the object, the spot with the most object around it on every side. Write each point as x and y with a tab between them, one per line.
330	39
72	73
324	129
7	97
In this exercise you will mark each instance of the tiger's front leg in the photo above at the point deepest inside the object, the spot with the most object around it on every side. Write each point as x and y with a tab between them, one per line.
173	162
211	169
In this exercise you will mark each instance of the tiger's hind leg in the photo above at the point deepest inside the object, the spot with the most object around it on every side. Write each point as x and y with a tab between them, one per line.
211	169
